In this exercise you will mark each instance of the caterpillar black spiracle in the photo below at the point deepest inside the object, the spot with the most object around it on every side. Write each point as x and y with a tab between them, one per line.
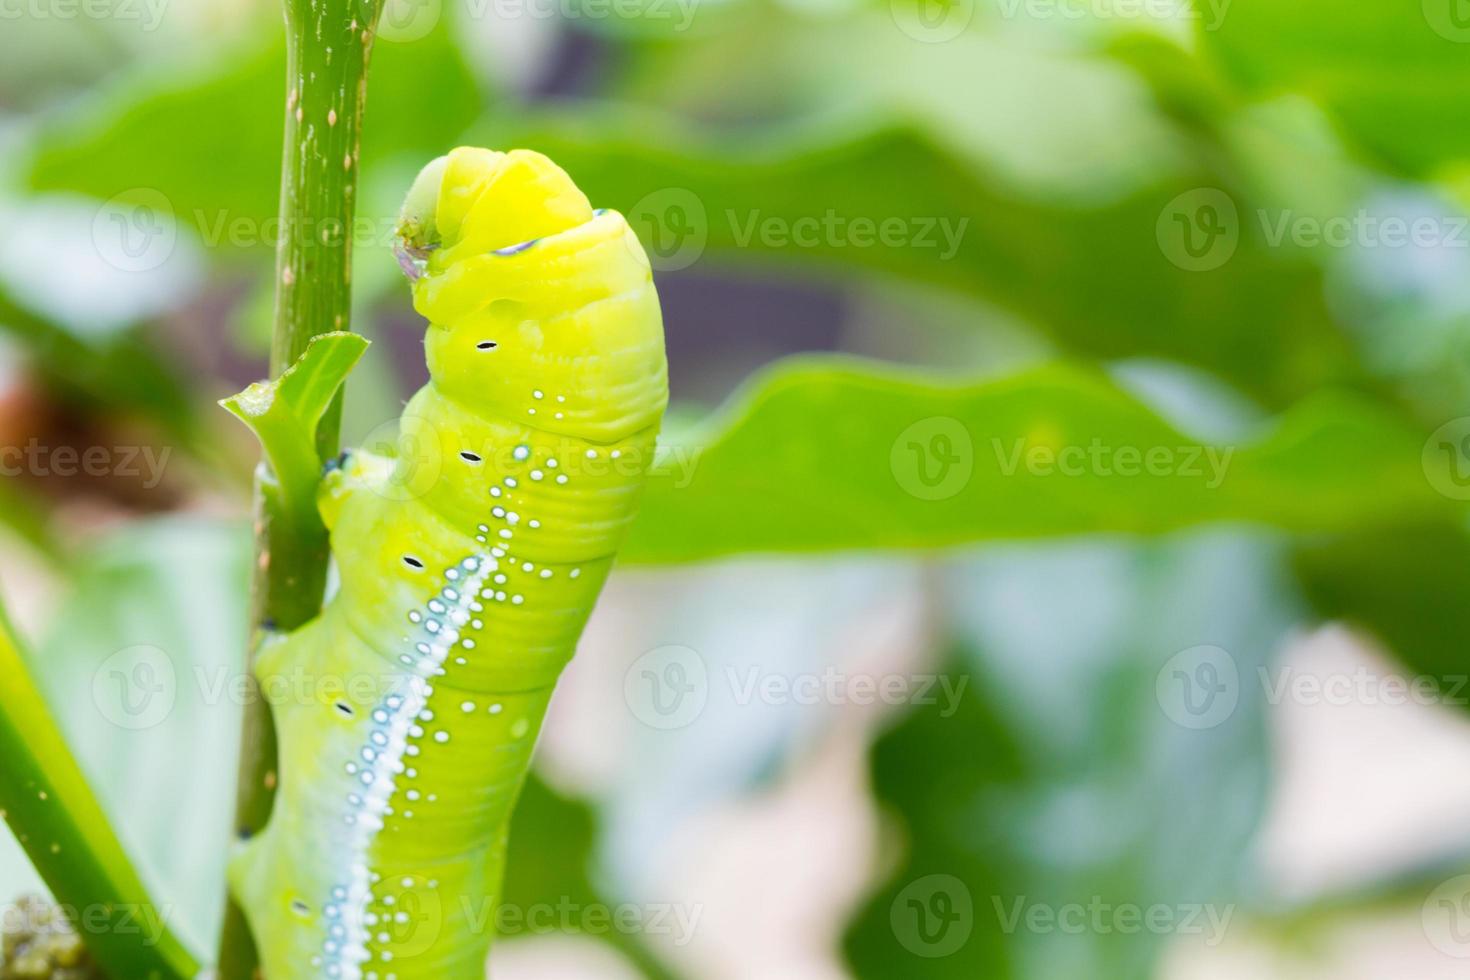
467	569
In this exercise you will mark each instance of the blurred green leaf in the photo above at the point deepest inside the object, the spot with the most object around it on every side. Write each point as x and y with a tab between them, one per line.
1407	585
48	802
1059	821
1394	74
552	842
121	372
208	137
1102	279
822	454
143	666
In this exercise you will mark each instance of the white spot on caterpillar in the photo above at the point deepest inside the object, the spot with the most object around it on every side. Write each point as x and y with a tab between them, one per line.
441	737
467	707
537	474
538	394
521	452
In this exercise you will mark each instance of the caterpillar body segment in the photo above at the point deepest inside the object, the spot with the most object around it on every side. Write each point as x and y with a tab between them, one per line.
468	564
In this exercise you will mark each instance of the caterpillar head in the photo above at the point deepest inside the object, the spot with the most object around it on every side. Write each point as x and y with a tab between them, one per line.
540	308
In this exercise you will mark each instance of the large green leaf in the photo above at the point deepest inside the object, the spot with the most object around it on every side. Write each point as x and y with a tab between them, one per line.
1395	74
822	454
1406	585
1097	278
1064	821
143	667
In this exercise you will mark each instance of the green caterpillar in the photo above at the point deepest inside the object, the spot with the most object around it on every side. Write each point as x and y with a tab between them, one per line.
467	570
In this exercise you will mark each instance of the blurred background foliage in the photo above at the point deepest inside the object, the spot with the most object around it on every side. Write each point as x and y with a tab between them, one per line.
1050	149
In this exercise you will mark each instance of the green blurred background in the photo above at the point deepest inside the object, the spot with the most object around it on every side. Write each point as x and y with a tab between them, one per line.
1059	557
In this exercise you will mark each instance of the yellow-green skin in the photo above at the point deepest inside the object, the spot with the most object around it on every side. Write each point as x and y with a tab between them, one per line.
408	709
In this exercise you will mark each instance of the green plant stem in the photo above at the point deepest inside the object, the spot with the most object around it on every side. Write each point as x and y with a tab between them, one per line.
46	800
328	46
